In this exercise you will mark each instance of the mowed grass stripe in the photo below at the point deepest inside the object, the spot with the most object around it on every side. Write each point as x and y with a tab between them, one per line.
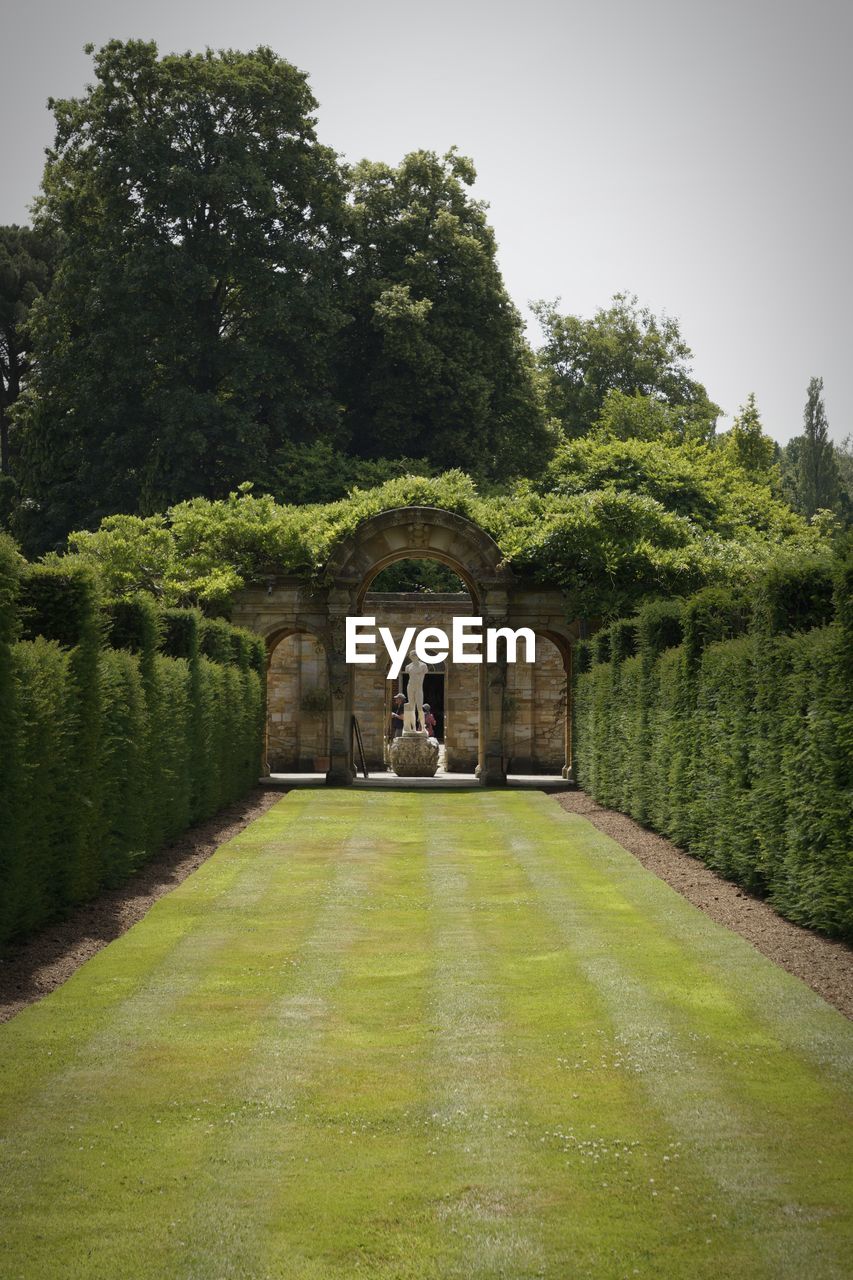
763	1064
790	1014
492	1211
127	986
620	1190
752	1118
419	1035
157	1094
267	1149
362	1134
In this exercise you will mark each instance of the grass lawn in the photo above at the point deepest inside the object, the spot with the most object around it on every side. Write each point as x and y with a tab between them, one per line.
426	1034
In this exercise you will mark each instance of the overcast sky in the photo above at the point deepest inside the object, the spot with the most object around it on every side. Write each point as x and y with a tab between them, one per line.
696	154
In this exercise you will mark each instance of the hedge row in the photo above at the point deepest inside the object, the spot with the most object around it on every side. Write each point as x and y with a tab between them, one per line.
725	723
120	726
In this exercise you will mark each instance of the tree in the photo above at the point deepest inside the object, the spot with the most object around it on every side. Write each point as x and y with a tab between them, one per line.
819	487
189	330
746	443
435	362
702	482
844	463
317	472
789	471
622	348
26	264
639	417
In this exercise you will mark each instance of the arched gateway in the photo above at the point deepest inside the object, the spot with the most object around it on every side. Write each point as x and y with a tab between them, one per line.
290	605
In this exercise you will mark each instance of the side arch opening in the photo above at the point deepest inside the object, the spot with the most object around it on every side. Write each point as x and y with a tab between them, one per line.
537	710
297	703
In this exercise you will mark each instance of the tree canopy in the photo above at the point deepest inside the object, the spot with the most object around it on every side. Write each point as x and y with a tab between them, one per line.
248	346
818	478
232	303
705	484
188	331
26	266
817	475
624	348
435	361
746	444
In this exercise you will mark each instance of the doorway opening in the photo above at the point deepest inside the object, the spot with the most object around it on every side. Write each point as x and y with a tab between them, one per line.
433	695
434	698
419	593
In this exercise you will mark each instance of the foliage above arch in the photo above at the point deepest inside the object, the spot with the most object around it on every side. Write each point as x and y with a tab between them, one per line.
606	546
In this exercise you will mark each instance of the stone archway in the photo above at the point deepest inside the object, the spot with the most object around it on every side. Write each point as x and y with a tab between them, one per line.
321	604
418	533
422	533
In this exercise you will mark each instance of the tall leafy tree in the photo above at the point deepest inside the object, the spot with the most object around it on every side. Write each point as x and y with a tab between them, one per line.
818	473
789	471
435	361
624	348
791	475
844	462
746	444
189	329
26	264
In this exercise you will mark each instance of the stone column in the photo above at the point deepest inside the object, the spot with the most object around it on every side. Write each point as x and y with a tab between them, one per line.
492	766
568	767
341	771
265	762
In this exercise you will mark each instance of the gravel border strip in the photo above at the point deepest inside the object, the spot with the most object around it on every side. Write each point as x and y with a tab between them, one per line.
823	964
38	965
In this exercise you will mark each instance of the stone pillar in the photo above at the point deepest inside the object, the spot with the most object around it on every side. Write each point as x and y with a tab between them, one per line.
265	762
568	767
491	769
341	770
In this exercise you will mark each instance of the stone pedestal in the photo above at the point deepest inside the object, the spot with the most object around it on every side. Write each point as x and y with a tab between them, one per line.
414	755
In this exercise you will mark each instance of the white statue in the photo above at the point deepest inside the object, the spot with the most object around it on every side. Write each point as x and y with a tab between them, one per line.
416	670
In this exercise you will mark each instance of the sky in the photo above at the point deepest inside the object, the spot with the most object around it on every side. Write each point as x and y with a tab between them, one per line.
695	154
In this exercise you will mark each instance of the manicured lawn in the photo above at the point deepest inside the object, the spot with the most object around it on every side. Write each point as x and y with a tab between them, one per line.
425	1034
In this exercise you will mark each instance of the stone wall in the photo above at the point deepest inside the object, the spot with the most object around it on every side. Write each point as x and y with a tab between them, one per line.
298	696
534	706
462	702
535	712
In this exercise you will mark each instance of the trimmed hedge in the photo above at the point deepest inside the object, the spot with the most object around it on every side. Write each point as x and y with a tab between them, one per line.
117	733
736	741
10	572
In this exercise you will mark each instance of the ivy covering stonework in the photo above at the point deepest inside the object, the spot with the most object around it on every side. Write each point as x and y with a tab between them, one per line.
611	522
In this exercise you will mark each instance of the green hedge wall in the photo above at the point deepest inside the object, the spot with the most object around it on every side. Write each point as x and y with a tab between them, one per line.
731	732
117	733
